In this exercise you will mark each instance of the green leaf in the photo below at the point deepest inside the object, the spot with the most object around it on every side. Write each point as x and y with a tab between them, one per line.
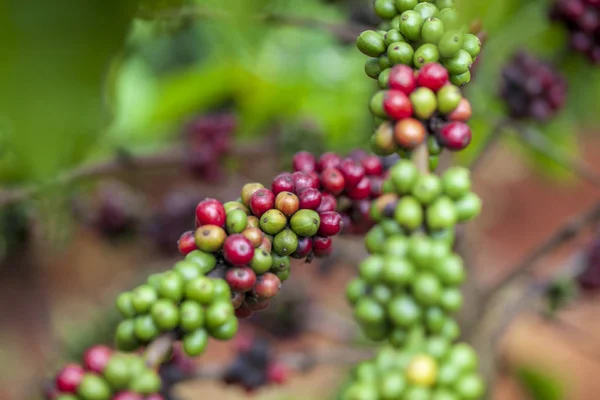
539	384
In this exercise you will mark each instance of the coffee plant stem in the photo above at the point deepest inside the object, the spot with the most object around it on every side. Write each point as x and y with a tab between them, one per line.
421	158
159	349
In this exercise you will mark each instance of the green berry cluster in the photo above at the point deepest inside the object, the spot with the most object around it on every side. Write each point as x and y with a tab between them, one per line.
433	370
183	300
411	283
415	201
415	33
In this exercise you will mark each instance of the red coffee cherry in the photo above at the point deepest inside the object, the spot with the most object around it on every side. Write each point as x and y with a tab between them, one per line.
211	212
333	181
353	172
304	162
455	136
69	378
310	199
432	76
238	250
282	183
397	105
240	279
261	201
95	358
331	224
328	160
402	77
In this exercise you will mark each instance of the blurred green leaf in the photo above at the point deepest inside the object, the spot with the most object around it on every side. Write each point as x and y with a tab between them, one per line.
539	384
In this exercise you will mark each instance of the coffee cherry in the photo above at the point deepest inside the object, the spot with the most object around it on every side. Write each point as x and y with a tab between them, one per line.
397	272
455	136
69	378
403	311
125	336
266	286
304	162
459	64
462	112
427	289
432	76
404	176
400	53
352	171
117	372
282	183
95	358
405	5
304	181
411	25
361	191
441	214
230	206
310	199
368	311
236	221
328	160
238	250
191	316
305	223
328	203
186	243
288	203
422	371
330	224
165	314
267	244
427	188
456	182
201	289
467	207
240	279
424	102
425	54
397	105
254	236
432	31
210	212
449	98
305	246
261	262
409	213
204	261
145	328
248	190
93	387
333	181
210	238
322	246
170	286
219	312
371	43
450	43
372	68
143	297
409	133
261	201
128	396
273	221
146	382
402	77
285	242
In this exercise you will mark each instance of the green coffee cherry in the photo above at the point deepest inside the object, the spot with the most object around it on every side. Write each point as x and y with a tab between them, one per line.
371	268
218	313
463	357
433	146
449	17
434	319
235	205
417	393
205	261
450	270
384	78
391	386
125	338
221	290
441	4
305	223
433	161
424	102
225	331
403	311
471	44
458	64
432	31
187	270
427	289
391	227
470	387
385	8
437	347
427	188
147	382
393	36
236	221
355	290
93	387
195	343
450	44
468	207
419	250
426	10
409	213
286	241
125	305
397	272
404	175
272	222
441	214
461	79
448	98
201	289
375	239
368	311
145	328
456	182
411	24
381	294
372	68
116	371
371	43
401	53
405	5
376	105
384	62
451	300
143	297
165	314
427	53
395	246
171	286
192	316
261	262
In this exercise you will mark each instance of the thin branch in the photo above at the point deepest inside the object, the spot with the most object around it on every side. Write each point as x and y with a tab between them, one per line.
421	158
129	163
562	235
344	32
157	351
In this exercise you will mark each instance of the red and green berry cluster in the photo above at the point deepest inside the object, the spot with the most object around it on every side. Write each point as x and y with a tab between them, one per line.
433	369
582	19
254	365
532	88
417	107
416	33
106	375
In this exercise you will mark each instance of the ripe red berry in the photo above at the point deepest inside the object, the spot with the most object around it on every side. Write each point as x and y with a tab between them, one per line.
128	396
455	136
328	203
372	165
462	112
267	285
95	358
240	279
277	373
360	191
333	181
328	160
69	378
322	246
353	172
397	105
432	76
211	212
261	201
186	243
331	224
310	198
243	313
304	248
304	162
282	183
402	77
254	304
303	180
237	250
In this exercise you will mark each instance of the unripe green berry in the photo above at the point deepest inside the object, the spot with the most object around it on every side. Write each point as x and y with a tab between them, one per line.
384	78
201	289
448	98
456	182
441	4
384	62
426	10
470	387
376	104
393	36
191	315
404	176
424	102
395	246
419	250
145	328
272	222
391	228
427	189
468	207
450	43
405	5
236	221
411	25
427	289
375	239
459	63
409	213
417	393
372	68
451	300
218	313
432	31
286	241
356	289
147	382
171	286
441	214
433	161
451	270
391	386
449	17
371	43
261	262
434	319
225	331
385	8
397	272
370	269
221	290
403	311
205	261
194	343
117	372
125	305
143	297
401	53
165	314
368	311
187	270
93	387
461	79
125	338
305	223
471	44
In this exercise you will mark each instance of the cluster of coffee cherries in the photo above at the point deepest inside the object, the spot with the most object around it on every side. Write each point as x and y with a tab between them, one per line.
532	88
348	184
416	33
415	200
582	19
433	369
416	104
254	365
106	375
207	142
185	299
409	283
